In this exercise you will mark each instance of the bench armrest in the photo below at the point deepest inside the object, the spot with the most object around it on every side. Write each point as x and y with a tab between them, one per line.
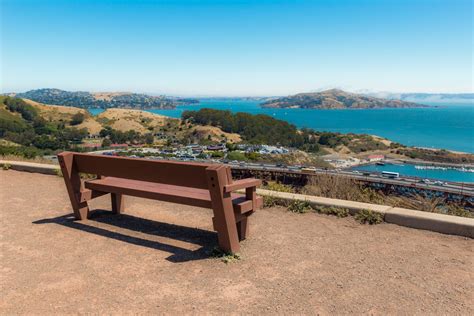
242	184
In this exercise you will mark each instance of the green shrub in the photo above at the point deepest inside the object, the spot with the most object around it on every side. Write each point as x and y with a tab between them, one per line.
333	210
236	155
368	217
271	201
6	166
297	206
225	257
275	186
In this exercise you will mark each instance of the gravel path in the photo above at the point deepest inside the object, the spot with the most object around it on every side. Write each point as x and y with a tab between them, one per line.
155	258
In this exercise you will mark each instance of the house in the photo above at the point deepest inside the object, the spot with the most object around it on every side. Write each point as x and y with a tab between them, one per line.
374	158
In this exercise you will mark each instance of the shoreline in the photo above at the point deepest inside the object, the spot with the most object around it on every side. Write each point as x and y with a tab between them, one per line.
318	130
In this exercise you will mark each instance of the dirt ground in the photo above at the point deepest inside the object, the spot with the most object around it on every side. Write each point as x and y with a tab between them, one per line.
155	259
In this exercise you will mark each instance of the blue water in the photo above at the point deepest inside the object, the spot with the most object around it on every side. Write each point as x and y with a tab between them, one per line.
445	126
410	170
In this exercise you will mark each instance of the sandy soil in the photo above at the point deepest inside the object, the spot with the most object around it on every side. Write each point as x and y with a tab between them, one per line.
155	259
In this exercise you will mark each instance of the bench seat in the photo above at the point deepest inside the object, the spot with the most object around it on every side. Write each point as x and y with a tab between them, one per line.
191	183
168	193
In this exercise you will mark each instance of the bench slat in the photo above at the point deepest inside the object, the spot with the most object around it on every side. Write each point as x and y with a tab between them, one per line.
164	192
166	172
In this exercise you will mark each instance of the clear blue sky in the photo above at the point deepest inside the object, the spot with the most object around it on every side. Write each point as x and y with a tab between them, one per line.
237	47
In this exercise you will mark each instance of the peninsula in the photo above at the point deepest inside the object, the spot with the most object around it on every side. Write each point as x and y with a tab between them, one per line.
86	100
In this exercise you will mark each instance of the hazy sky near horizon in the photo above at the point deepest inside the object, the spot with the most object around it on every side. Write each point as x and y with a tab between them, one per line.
236	48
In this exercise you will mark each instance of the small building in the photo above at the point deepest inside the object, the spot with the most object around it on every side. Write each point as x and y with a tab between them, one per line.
374	158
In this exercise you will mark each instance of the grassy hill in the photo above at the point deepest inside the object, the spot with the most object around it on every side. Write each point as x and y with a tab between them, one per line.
336	99
38	128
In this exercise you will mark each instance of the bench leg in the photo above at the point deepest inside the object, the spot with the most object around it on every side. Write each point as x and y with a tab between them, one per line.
72	180
117	203
224	217
242	228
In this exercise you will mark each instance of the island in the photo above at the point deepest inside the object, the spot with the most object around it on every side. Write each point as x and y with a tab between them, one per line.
336	99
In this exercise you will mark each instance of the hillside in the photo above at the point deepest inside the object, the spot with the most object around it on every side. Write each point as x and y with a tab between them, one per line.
34	128
83	99
336	99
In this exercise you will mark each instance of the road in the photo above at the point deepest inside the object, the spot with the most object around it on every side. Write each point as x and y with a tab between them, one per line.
449	187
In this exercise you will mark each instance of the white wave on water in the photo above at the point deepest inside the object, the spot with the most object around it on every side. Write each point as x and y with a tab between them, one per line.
462	169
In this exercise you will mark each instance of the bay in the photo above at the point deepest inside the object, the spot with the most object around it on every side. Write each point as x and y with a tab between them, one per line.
454	175
444	126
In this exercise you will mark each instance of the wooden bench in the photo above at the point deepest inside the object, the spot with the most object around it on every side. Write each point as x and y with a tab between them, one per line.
196	184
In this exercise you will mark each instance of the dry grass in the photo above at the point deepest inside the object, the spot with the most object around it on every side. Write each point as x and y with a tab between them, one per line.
348	189
56	112
126	119
215	134
344	188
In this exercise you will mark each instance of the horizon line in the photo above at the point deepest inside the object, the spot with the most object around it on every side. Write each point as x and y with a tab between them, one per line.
250	95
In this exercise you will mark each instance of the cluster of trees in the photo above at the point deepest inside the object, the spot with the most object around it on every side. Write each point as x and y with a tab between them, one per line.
264	129
253	128
113	136
31	130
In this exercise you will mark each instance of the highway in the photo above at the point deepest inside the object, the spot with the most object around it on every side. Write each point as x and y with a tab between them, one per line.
466	189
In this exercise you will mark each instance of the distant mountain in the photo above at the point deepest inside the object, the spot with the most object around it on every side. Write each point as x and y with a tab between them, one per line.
427	97
336	99
84	99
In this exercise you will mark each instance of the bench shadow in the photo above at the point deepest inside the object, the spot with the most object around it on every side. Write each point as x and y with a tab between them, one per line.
204	238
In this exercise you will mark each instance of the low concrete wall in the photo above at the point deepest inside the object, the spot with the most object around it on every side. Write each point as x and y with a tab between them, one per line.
30	166
446	224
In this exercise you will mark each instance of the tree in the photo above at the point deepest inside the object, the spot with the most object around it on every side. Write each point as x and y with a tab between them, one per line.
106	142
77	118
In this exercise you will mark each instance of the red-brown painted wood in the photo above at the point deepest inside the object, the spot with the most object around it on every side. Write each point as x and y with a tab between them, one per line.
72	179
197	184
117	203
224	218
166	172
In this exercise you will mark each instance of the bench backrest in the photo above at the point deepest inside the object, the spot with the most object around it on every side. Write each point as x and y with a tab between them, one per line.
187	174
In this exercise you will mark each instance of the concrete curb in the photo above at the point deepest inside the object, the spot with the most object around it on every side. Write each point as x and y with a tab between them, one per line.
31	167
445	224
